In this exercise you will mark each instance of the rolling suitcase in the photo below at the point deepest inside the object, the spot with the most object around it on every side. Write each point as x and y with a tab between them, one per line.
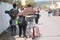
36	32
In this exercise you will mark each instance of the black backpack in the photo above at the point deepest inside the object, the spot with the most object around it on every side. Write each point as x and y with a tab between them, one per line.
13	13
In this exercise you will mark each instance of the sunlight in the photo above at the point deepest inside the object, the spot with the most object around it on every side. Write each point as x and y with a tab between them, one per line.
23	2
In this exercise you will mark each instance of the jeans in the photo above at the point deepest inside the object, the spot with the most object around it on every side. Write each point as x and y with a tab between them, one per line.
13	29
36	18
22	27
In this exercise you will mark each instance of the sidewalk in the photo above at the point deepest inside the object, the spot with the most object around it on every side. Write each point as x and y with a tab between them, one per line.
49	28
18	38
5	35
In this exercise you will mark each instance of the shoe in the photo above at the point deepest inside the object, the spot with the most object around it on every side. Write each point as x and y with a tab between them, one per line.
19	36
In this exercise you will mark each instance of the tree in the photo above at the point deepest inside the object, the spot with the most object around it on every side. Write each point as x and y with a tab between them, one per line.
8	1
30	2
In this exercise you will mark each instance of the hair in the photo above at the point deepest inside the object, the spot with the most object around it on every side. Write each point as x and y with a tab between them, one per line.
29	5
14	5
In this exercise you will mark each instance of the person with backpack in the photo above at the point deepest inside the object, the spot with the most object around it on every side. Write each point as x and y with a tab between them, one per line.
13	15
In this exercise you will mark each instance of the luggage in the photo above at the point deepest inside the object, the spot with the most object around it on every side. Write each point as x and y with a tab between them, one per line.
33	33
36	32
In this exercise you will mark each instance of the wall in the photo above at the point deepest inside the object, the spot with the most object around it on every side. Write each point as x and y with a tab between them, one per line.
4	18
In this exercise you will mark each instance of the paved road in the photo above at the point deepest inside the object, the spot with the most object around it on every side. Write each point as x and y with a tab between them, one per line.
49	28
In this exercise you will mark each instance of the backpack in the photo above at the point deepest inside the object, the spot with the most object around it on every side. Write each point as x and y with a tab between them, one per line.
13	13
